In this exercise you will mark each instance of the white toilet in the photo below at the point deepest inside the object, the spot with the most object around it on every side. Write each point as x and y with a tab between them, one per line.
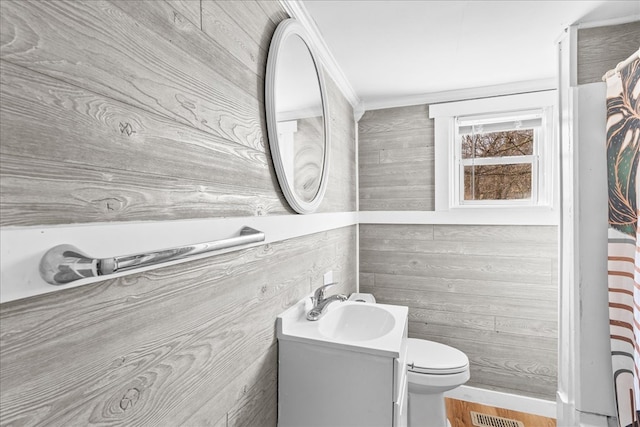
433	369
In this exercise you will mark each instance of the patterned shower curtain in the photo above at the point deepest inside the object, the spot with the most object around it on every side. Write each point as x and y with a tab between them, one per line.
623	138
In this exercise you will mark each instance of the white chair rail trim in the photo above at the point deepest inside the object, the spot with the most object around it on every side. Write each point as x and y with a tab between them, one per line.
21	248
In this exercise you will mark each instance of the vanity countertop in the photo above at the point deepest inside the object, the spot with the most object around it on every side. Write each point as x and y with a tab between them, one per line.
292	325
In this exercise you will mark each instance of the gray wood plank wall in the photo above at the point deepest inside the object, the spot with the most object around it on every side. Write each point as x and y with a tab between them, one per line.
141	115
395	159
601	48
185	345
490	291
152	110
341	187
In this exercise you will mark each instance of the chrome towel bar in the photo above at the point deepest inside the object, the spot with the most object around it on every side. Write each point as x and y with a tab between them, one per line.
65	263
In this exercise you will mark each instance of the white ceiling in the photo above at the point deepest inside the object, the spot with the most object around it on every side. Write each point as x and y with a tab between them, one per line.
396	49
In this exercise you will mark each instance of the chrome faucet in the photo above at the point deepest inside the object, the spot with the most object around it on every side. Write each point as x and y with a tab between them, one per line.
320	303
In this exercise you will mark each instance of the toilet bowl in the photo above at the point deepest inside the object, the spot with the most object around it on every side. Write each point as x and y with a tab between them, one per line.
432	369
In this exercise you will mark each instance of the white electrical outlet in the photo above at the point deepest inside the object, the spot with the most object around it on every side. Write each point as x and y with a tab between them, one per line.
328	277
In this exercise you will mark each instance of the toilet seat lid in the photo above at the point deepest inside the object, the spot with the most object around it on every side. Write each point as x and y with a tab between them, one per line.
428	357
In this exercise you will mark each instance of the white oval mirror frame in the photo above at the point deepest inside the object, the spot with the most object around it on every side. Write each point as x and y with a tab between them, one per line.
286	31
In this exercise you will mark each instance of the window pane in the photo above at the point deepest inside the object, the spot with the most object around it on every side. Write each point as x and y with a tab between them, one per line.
497	182
497	144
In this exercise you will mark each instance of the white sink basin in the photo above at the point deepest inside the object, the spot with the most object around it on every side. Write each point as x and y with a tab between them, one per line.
351	322
355	326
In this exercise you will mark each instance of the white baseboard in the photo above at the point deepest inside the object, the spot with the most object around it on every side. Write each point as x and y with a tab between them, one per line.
513	402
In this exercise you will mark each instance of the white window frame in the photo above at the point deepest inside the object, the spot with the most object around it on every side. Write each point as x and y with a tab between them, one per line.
448	173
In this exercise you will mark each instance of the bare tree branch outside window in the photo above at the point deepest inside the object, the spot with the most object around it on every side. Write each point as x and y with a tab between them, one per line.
498	181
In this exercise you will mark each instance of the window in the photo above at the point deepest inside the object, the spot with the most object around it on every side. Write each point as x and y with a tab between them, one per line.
497	158
495	152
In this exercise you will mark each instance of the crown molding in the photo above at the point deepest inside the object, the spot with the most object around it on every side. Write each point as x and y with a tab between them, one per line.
607	22
296	10
464	94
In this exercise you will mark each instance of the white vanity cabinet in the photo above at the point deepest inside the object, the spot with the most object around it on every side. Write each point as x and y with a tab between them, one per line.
330	384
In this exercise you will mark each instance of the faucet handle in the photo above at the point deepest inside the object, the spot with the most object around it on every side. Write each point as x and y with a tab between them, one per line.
318	294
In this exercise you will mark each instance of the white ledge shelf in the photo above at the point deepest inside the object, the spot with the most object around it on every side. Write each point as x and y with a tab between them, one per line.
464	216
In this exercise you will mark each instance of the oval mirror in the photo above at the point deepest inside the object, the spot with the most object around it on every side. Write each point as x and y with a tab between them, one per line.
297	121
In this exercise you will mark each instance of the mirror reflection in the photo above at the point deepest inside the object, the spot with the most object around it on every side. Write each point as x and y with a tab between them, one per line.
299	117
